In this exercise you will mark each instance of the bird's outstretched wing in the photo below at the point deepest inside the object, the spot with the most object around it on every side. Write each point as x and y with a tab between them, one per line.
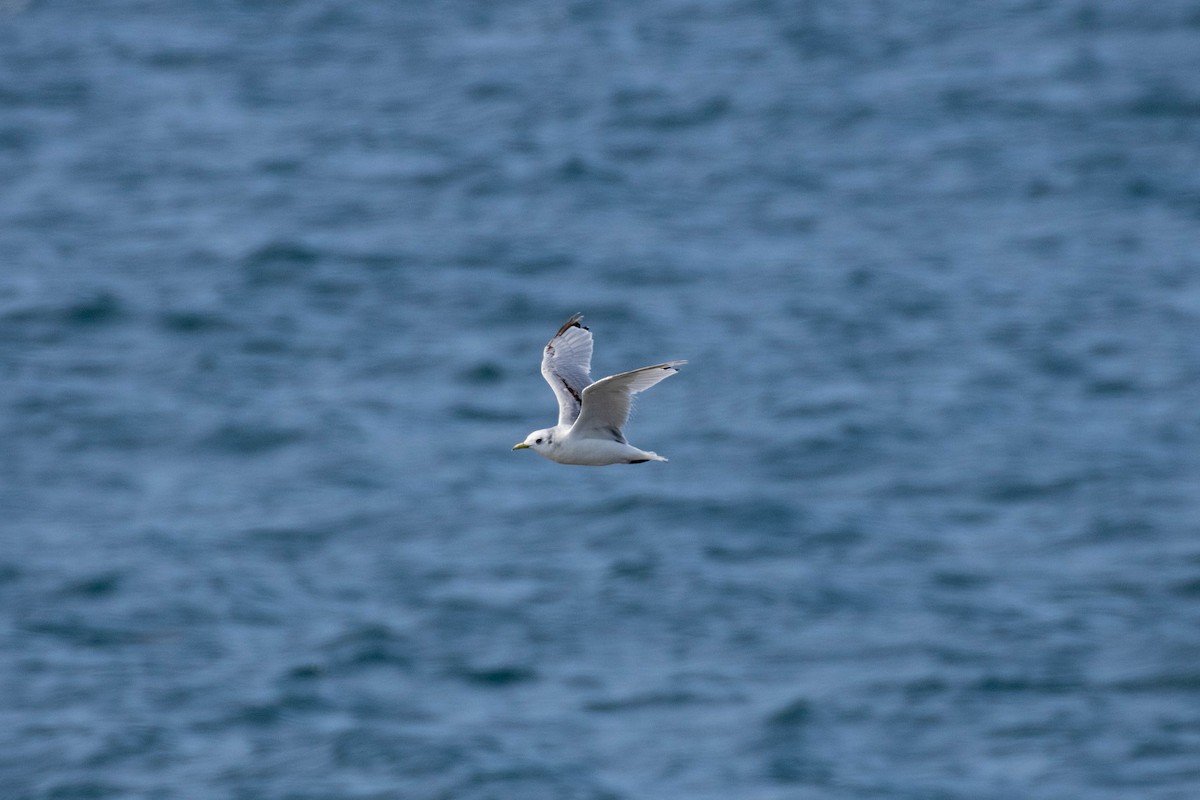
567	367
606	402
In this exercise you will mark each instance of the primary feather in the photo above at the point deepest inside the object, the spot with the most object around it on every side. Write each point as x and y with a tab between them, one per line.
567	367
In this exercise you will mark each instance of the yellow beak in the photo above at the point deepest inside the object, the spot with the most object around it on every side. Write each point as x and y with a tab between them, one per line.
521	446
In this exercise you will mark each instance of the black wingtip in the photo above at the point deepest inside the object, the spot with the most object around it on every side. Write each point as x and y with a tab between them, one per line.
573	322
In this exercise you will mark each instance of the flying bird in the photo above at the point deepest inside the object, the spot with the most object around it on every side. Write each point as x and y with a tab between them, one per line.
590	415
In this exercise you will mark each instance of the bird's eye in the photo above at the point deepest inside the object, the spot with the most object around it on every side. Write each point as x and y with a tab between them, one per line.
539	441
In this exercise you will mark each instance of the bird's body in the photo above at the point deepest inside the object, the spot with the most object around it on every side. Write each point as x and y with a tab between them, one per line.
558	445
590	415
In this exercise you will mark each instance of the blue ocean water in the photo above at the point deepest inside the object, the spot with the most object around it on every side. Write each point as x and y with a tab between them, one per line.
274	280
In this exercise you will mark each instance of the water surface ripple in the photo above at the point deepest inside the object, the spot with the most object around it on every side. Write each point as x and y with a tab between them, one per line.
273	280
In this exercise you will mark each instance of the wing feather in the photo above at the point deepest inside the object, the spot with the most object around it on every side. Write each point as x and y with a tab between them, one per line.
567	367
605	406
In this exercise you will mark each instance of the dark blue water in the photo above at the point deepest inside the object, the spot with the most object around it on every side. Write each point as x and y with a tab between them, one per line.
274	280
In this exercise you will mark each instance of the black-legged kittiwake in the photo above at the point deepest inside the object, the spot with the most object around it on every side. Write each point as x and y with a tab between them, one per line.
590	415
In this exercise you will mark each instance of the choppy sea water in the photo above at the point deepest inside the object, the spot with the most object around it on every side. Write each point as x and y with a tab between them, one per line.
274	279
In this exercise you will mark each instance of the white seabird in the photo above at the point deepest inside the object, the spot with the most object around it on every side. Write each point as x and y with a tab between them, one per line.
590	415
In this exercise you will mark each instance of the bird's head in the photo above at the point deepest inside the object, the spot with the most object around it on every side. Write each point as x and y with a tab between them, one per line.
538	441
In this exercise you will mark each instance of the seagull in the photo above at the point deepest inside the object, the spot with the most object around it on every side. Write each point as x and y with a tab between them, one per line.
590	415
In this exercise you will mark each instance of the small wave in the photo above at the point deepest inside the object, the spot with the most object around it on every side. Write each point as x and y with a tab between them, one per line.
497	676
193	322
247	439
370	645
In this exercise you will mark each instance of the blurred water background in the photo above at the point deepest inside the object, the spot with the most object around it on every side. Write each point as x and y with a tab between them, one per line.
274	280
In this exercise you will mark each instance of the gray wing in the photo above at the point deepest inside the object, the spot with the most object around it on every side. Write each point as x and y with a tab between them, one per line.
567	367
606	402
